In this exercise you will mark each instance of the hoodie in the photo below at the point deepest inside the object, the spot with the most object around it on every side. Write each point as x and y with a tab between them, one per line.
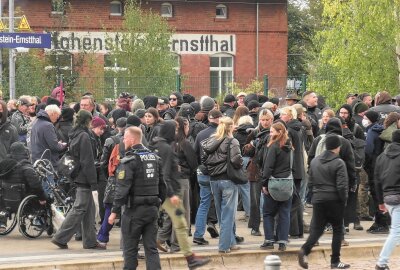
328	179
277	162
334	126
8	135
295	130
162	146
387	172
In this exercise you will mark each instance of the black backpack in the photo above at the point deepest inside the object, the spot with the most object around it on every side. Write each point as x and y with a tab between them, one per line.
358	146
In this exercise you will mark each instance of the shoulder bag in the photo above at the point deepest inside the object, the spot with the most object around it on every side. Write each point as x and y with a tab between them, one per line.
281	189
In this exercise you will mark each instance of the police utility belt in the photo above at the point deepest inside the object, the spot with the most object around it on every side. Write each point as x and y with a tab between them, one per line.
135	201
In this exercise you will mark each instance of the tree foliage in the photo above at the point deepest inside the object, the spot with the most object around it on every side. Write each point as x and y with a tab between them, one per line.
144	56
357	48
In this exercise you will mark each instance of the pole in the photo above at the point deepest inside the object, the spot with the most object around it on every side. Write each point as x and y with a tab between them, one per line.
257	39
265	85
11	51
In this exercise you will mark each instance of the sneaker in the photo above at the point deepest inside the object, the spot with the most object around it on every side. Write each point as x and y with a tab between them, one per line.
340	265
282	247
212	230
234	248
366	218
267	245
224	251
255	232
358	227
239	239
200	241
61	246
302	259
383	267
194	261
379	230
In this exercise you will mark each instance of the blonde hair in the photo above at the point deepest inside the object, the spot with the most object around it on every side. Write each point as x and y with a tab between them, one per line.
135	132
224	128
290	111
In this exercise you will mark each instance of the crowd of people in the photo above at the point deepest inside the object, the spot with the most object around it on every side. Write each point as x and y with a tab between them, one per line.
166	161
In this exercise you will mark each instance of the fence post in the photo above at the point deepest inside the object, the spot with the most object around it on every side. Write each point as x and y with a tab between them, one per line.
303	83
178	82
272	262
265	77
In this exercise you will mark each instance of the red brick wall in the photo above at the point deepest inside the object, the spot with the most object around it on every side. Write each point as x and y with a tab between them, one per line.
191	17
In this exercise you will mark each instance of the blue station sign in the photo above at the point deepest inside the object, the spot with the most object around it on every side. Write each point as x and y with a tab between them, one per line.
25	40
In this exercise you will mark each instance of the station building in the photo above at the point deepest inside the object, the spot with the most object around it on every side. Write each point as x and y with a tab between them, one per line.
215	41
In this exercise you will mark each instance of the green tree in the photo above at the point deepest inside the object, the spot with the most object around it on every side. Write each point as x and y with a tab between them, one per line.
144	56
357	48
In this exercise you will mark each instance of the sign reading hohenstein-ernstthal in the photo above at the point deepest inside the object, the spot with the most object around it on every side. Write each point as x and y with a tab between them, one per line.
104	42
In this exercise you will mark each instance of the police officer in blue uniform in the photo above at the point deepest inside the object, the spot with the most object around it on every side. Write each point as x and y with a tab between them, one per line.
141	188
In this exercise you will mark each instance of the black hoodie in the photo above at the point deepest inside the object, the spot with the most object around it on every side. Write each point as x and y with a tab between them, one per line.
276	162
334	126
387	172
296	136
162	146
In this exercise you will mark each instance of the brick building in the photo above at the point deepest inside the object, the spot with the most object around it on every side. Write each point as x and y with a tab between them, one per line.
215	41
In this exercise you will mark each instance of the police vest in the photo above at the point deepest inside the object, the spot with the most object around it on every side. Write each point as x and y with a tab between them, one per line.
147	175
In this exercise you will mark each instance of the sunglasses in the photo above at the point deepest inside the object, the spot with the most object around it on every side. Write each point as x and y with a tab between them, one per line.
173	99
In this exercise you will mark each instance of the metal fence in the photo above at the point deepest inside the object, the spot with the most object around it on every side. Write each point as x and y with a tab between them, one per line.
109	87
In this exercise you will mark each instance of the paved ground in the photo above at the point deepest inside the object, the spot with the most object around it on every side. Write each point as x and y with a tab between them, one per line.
14	248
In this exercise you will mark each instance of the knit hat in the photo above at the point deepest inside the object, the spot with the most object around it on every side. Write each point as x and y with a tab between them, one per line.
133	120
137	104
332	142
140	113
98	122
229	98
253	104
150	101
121	122
56	91
262	99
196	107
18	151
118	113
396	136
360	107
373	116
207	104
186	111
347	107
249	98
67	114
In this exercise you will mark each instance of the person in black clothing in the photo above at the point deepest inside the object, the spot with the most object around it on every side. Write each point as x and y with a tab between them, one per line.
140	186
346	113
64	126
206	214
17	171
328	182
83	211
229	103
311	100
255	147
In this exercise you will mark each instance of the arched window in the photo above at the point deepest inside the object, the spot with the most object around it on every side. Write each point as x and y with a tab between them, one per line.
166	10
221	12
221	73
116	8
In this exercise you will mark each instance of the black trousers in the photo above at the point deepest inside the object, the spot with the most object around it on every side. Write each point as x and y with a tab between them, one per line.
255	194
296	213
136	222
323	213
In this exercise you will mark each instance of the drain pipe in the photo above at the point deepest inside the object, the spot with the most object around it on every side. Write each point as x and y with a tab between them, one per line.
257	30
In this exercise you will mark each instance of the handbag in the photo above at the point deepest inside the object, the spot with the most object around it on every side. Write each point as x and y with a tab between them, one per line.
281	189
237	176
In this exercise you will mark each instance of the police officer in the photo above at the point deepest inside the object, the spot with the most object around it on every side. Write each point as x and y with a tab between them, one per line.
140	186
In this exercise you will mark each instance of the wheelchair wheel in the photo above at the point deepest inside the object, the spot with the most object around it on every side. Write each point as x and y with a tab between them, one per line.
11	222
33	218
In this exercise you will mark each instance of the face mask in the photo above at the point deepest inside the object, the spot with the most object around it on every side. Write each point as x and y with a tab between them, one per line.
366	122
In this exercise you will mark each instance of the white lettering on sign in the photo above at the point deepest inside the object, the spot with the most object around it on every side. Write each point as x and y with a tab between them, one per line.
103	42
20	39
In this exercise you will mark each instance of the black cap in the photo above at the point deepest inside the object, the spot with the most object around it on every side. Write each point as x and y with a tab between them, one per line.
140	113
133	120
121	122
229	98
332	142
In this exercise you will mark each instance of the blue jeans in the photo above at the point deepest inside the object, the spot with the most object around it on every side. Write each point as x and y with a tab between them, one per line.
270	209
104	233
46	187
394	236
204	206
226	199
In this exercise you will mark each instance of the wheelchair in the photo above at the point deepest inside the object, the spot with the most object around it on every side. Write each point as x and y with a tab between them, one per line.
32	217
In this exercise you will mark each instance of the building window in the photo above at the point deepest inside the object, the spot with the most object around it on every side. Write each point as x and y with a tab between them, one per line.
166	10
221	73
221	12
60	63
58	6
116	8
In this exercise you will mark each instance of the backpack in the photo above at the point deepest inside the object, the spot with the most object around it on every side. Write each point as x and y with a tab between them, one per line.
114	159
321	146
68	166
358	146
